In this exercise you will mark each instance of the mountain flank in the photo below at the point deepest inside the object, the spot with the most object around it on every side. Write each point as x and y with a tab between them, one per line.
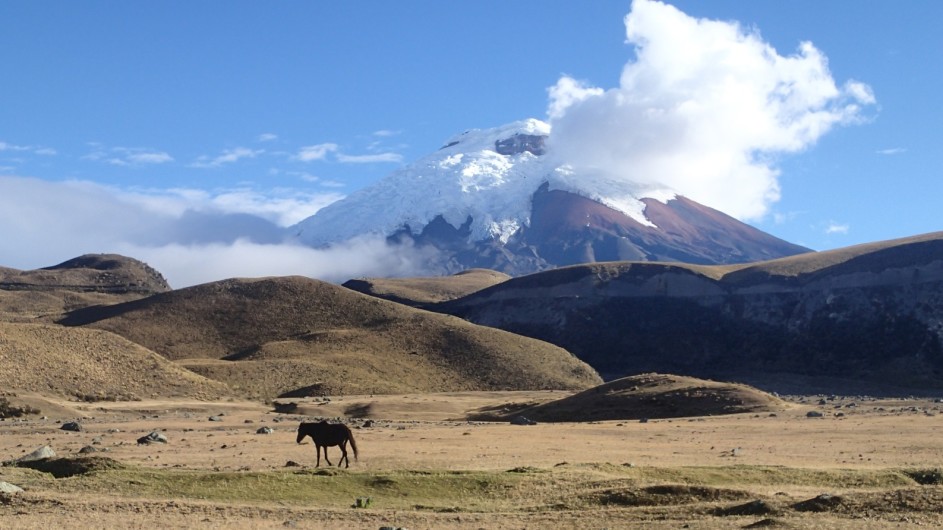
871	312
270	337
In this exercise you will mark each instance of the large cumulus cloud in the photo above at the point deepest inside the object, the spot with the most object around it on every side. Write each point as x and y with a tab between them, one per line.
704	109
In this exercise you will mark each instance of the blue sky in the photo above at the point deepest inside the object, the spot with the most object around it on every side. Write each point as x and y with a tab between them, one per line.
219	113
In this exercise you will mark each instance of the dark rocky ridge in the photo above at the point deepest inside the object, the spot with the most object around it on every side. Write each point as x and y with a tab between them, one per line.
872	313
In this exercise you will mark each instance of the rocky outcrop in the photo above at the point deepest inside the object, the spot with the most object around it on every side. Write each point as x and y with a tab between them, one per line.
521	143
102	273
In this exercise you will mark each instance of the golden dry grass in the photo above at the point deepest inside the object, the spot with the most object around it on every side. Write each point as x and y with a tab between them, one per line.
271	336
92	364
427	290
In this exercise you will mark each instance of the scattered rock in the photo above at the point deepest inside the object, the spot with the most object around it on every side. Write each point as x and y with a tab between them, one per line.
265	430
215	418
813	414
521	420
71	426
292	463
6	487
821	503
153	437
41	453
88	449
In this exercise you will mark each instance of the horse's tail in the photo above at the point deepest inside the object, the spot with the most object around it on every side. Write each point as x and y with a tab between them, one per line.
353	444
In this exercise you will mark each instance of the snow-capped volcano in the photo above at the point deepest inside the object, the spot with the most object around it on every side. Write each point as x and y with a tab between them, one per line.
489	175
498	198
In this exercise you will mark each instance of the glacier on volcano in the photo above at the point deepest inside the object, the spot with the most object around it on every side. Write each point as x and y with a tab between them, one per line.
470	179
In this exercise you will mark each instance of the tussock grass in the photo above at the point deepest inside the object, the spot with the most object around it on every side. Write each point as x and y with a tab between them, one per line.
573	487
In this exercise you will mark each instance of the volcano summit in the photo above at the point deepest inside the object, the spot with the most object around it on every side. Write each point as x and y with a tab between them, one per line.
499	199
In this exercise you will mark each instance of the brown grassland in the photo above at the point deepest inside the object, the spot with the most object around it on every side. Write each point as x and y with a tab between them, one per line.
864	464
430	399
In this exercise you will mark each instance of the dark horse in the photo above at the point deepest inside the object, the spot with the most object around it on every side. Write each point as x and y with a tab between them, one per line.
327	434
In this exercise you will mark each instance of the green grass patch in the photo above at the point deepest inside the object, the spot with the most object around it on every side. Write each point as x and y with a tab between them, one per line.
521	489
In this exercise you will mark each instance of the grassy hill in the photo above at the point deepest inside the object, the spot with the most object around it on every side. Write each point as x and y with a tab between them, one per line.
646	396
428	290
92	365
296	336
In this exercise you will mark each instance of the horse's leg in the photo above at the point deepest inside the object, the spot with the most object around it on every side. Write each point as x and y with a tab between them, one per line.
325	457
343	446
317	449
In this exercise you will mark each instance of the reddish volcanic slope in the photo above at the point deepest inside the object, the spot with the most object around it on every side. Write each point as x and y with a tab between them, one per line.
568	229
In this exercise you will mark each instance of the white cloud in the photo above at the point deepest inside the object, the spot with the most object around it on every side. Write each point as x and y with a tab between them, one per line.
284	208
566	93
4	146
190	235
267	137
892	151
837	228
704	109
127	156
315	152
369	159
140	158
385	133
228	156
44	151
185	265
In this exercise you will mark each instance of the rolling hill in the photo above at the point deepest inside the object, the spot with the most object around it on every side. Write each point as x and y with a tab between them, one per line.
296	336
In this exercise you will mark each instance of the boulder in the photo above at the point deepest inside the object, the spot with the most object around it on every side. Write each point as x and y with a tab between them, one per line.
521	420
153	437
6	487
41	453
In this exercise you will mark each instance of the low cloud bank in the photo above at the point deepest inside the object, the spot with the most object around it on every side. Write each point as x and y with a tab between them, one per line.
190	236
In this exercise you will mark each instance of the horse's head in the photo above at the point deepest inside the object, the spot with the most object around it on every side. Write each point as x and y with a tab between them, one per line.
301	433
